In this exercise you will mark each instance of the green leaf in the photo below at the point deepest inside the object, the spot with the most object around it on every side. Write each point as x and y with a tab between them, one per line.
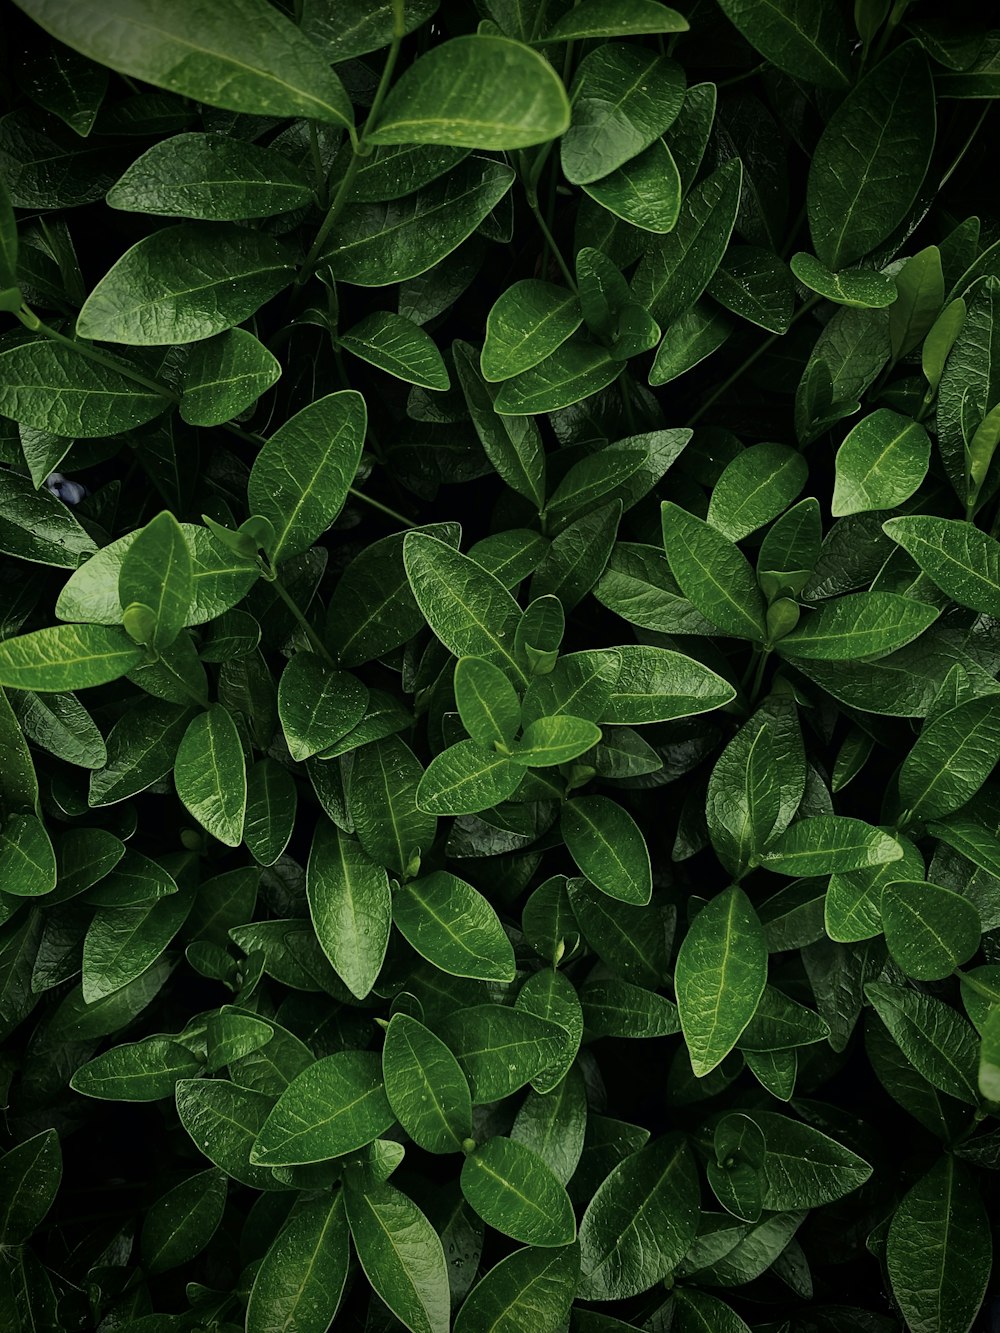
619	1009
224	376
920	297
929	929
8	242
863	288
689	338
300	1281
375	245
317	705
880	464
852	909
500	95
806	41
300	479
608	847
500	1049
860	625
18	783
531	1285
158	572
756	487
487	702
938	1250
736	1176
469	610
67	657
512	444
513	1191
399	347
250	58
713	574
756	785
142	1071
27	860
830	844
30	1175
624	97
952	758
210	775
400	1253
467	778
122	942
804	1168
961	560
550	741
350	907
640	1222
574	371
645	192
272	799
454	927
851	211
345	29
527	322
678	267
181	1222
633	941
719	978
213	177
223	1121
939	1043
390	826
425	1086
657	685
185	283
35	526
335	1106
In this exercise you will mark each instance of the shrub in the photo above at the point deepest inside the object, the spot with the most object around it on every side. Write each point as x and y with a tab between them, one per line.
499	649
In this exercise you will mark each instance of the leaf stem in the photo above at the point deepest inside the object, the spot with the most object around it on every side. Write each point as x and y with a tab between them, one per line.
377	504
550	240
31	321
300	616
956	161
744	366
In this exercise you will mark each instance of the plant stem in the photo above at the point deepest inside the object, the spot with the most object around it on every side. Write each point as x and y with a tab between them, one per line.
550	240
300	616
744	366
31	321
956	161
758	678
377	504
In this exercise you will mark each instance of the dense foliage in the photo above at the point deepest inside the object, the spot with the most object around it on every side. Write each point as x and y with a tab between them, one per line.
499	634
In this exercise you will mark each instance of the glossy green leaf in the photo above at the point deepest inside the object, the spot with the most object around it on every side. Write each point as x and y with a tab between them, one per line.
929	929
210	775
713	574
350	907
880	464
122	942
452	925
756	487
574	371
67	657
720	976
830	844
27	859
500	1049
513	445
30	1174
300	1281
952	758
390	826
141	1071
961	560
399	347
513	1191
158	573
860	625
249	59
657	684
526	324
317	705
805	41
531	1284
224	376
35	526
608	847
863	288
939	1043
182	1221
425	1086
223	1121
466	778
487	702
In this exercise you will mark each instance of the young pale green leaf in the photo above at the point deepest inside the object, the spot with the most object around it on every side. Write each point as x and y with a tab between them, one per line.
830	844
399	347
499	1048
248	58
624	97
401	1254
674	272
532	1285
27	858
952	758
851	207
300	478
185	283
963	561
880	464
317	705
350	907
574	371
469	610
550	741
210	774
300	1281
512	1190
30	1174
487	702
335	1106
930	930
425	1086
720	977
375	245
807	41
644	192
453	926
467	778
181	1222
526	324
500	94
158	572
67	657
389	824
608	847
755	487
862	288
860	625
640	1222
713	574
938	1250
657	685
225	375
211	177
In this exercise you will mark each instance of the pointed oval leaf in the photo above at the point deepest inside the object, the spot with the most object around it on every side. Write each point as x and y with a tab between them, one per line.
513	1191
532	1285
452	925
300	1281
210	774
425	1086
930	930
350	907
526	324
608	847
